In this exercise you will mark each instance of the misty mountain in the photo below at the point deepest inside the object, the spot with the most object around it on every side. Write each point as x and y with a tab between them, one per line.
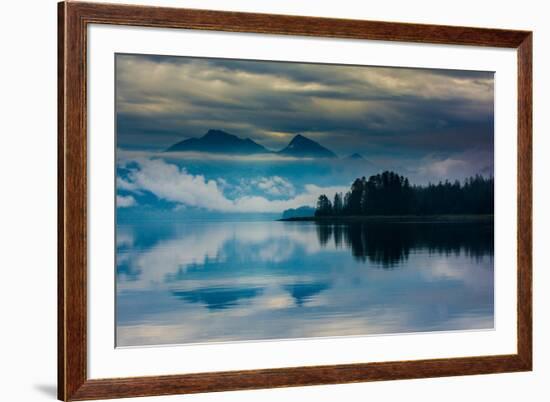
302	147
355	156
218	141
300	212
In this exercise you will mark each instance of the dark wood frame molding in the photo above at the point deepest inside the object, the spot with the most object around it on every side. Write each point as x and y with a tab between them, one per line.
73	383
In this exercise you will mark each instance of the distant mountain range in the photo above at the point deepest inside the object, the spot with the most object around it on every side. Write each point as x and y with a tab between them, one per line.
218	141
355	156
300	212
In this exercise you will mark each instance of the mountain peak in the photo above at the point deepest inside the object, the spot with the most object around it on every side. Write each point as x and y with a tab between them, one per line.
218	134
300	137
219	141
355	156
301	146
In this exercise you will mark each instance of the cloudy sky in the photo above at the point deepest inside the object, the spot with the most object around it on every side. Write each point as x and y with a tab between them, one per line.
161	100
429	125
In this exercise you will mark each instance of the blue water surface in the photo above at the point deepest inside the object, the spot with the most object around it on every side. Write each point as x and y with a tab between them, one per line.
190	282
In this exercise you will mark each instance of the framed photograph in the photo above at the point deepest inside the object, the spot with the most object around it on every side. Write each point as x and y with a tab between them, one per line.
253	201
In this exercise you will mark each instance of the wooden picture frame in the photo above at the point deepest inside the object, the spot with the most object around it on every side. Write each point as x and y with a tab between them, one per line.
73	381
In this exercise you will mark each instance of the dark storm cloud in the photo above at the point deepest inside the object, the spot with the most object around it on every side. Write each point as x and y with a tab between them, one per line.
373	110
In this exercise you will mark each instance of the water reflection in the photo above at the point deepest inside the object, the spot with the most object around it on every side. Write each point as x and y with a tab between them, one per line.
217	298
304	292
388	244
225	281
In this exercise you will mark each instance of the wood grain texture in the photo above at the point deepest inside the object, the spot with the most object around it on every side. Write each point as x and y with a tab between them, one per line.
295	25
60	202
73	19
73	192
524	200
299	376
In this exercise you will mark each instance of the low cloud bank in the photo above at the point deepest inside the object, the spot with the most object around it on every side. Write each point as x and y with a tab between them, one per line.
171	183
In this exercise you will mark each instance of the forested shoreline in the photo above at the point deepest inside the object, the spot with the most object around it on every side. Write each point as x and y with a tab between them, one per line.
389	194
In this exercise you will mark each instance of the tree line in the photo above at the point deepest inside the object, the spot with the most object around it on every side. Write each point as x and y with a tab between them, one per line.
389	193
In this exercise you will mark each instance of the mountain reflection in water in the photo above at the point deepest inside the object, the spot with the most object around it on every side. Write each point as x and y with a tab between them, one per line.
230	281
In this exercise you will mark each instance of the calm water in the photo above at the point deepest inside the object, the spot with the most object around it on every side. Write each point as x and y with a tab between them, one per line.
233	281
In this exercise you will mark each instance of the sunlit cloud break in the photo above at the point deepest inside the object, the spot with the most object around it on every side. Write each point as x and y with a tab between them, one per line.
171	183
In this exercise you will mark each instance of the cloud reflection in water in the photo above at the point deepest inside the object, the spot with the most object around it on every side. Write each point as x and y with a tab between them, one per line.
230	281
